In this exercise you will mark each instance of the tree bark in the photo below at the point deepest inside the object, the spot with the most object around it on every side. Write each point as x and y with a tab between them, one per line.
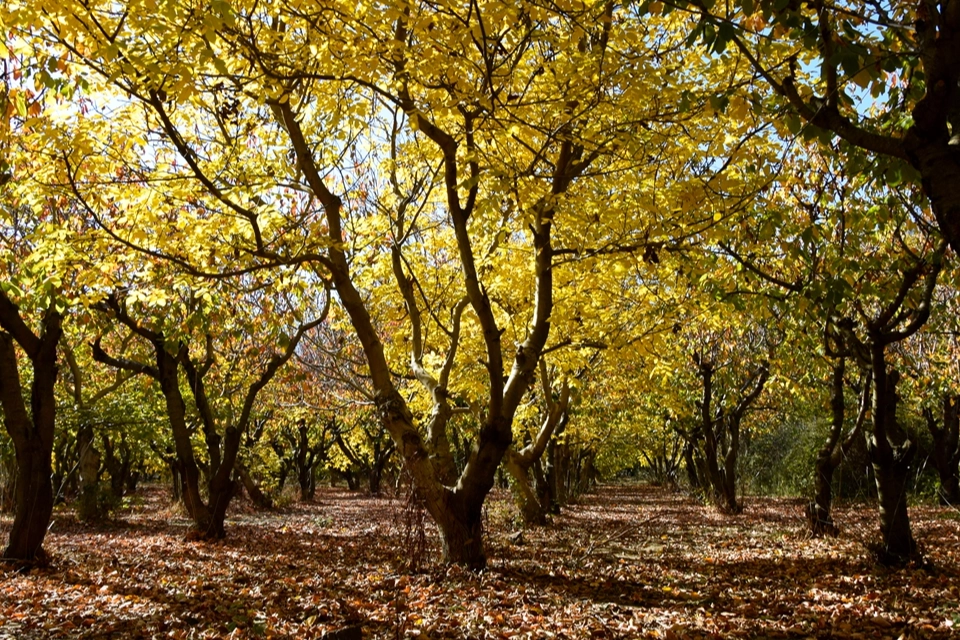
89	475
531	509
118	459
31	431
891	463
834	450
257	496
461	535
946	449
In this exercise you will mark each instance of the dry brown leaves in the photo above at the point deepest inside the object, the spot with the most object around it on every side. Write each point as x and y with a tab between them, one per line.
627	562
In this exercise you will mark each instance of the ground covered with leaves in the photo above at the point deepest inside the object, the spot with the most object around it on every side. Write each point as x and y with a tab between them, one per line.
628	561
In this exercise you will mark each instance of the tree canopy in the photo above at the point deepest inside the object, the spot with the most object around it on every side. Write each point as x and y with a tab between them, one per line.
574	238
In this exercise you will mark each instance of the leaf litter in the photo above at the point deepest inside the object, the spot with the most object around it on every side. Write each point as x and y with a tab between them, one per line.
628	561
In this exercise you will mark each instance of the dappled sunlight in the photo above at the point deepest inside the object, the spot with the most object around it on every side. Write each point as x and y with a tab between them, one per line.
627	561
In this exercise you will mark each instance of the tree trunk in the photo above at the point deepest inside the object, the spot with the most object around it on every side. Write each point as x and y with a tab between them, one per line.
118	460
714	474
461	535
543	479
306	464
258	497
89	475
376	471
946	449
891	473
32	432
220	496
891	463
176	479
222	487
307	479
8	484
693	477
201	515
818	511
65	463
34	499
928	142
531	509
589	474
729	472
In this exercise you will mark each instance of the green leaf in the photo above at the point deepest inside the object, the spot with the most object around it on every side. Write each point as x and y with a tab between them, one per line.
11	289
725	33
793	122
719	103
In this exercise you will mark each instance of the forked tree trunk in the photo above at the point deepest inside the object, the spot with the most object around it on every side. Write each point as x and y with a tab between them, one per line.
455	507
169	378
305	461
118	459
208	519
520	463
719	432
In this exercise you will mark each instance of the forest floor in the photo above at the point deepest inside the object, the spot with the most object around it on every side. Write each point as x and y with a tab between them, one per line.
628	561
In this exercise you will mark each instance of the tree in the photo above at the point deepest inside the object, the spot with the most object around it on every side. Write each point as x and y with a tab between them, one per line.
838	444
714	437
116	458
946	447
172	356
534	503
375	448
302	454
30	429
513	116
879	77
930	372
39	280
